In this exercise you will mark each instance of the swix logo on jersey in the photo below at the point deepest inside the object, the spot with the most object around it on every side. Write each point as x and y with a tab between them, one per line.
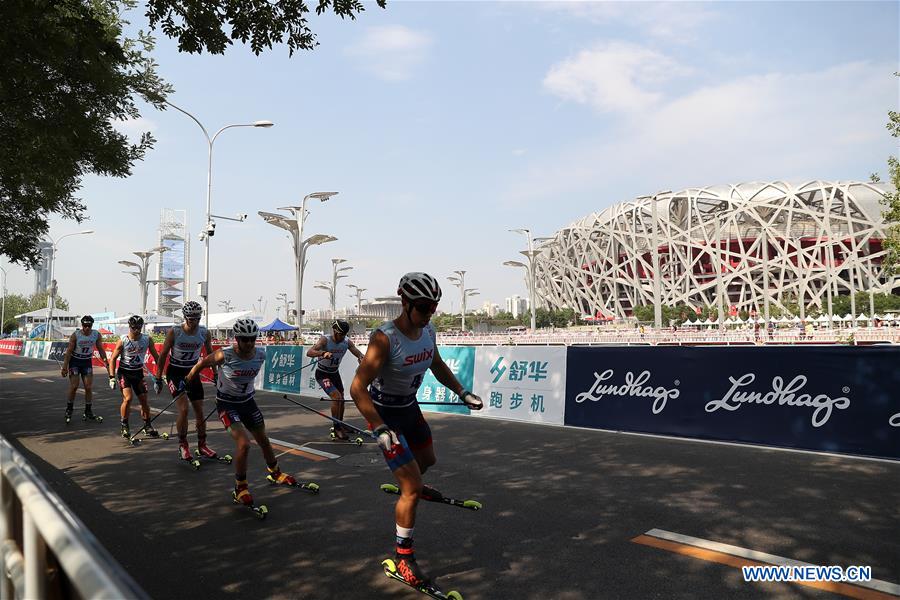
417	358
245	372
188	345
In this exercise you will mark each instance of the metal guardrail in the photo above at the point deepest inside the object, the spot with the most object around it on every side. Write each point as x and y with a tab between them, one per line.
46	552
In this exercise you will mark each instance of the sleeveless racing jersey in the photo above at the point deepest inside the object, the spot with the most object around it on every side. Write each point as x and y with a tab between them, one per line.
133	352
405	366
338	350
236	375
186	349
85	344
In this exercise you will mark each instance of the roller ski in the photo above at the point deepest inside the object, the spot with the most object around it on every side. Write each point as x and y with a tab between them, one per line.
340	435
184	453
432	495
89	415
68	414
279	478
243	498
147	430
204	451
406	572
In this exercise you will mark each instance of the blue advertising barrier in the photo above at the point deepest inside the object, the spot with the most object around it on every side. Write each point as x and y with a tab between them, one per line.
283	369
461	360
829	398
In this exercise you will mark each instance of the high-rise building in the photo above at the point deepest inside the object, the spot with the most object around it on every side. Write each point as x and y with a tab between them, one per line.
516	305
174	264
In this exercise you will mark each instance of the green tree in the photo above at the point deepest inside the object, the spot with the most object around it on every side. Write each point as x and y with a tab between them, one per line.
891	201
38	301
68	72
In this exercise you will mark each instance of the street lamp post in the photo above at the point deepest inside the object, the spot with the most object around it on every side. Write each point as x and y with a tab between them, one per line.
143	270
358	293
657	276
335	270
464	292
51	293
295	227
210	224
531	254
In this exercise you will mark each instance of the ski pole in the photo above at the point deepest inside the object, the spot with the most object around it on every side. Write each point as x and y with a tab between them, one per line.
333	419
420	403
150	422
309	364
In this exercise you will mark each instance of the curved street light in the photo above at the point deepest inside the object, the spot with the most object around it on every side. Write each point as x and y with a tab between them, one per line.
143	269
527	233
210	229
51	293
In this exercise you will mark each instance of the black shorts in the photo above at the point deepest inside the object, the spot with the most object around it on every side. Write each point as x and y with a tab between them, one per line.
246	412
408	421
128	378
81	366
175	377
330	382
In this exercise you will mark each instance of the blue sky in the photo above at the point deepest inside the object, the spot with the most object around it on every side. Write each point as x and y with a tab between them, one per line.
444	124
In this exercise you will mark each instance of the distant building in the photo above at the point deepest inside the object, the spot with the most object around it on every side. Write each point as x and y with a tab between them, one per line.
516	305
490	308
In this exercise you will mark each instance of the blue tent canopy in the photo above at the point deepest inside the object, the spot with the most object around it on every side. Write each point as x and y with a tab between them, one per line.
278	325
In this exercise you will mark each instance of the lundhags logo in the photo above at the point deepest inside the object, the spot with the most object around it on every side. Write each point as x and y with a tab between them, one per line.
633	386
894	421
417	358
782	394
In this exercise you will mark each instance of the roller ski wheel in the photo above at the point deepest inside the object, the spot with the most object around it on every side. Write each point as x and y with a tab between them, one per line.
185	455
227	458
68	417
164	436
259	512
390	488
428	588
91	417
310	486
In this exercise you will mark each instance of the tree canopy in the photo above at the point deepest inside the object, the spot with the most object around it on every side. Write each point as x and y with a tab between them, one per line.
68	73
891	213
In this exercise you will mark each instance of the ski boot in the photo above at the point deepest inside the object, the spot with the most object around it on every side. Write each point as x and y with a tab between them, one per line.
242	496
404	569
89	415
149	431
126	433
184	452
68	413
337	433
276	477
204	451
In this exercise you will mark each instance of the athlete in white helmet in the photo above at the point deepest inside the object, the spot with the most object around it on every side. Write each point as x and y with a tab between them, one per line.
384	389
182	348
330	350
238	366
78	361
132	348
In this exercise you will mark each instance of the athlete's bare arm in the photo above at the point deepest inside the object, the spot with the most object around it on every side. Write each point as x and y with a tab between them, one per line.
318	349
68	355
355	351
443	374
207	343
111	367
152	349
213	359
376	355
100	350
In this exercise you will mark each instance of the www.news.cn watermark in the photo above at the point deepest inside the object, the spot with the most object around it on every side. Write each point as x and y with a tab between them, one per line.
807	573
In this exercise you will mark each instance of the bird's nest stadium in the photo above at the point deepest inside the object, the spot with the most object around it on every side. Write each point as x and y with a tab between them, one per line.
791	242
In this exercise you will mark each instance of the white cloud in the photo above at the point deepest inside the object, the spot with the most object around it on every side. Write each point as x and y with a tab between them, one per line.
776	125
391	52
669	21
615	76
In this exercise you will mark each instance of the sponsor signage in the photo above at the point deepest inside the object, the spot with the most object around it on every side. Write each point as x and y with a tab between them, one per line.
832	398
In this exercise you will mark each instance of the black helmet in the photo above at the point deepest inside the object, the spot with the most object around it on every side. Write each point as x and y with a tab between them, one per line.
341	326
87	320
136	322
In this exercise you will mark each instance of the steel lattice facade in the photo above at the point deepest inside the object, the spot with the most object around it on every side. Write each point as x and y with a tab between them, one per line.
789	241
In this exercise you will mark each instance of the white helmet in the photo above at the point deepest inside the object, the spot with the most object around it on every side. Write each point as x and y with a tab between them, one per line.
192	310
246	328
416	285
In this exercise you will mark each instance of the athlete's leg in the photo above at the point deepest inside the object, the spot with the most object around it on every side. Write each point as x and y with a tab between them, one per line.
127	397
145	407
241	448
88	380
337	411
199	418
262	439
425	457
410	479
181	421
73	387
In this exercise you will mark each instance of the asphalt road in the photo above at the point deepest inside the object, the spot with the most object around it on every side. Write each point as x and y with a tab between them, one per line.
561	506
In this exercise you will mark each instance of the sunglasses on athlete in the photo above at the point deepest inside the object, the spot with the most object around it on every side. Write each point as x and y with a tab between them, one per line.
425	307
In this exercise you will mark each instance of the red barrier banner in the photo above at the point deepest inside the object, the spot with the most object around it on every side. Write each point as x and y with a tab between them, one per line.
11	346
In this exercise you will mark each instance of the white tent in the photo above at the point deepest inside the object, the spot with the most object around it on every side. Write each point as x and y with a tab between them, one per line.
822	319
795	320
41	313
838	318
862	317
782	319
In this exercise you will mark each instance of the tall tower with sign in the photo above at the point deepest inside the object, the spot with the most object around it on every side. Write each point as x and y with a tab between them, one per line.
173	267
